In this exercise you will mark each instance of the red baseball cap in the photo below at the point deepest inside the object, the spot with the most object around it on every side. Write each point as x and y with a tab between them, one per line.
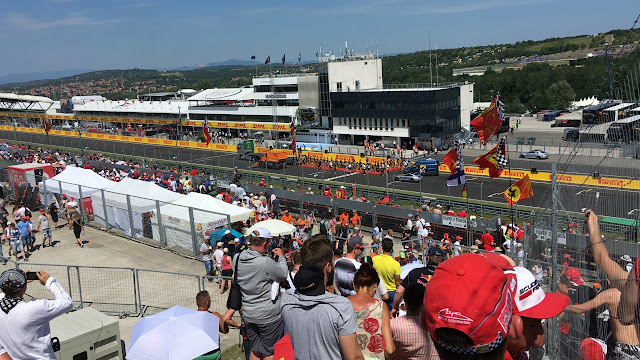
471	293
574	277
593	349
532	302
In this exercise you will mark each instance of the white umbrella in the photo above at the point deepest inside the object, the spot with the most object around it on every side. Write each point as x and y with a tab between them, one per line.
174	334
276	227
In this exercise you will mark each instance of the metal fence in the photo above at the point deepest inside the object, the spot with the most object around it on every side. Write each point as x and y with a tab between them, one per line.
126	291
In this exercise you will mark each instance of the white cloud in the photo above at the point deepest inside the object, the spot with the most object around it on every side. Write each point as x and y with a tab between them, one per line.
24	22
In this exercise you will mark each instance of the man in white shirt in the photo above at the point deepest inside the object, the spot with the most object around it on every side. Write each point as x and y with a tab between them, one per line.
217	257
24	326
409	224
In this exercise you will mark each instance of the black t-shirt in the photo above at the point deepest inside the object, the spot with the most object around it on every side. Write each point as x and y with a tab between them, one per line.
226	239
420	275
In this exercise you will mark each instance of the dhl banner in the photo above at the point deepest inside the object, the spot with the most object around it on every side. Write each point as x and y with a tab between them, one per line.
145	121
238	125
561	178
515	174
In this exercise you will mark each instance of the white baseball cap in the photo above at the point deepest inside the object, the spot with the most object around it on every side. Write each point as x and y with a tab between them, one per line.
227	232
532	302
261	233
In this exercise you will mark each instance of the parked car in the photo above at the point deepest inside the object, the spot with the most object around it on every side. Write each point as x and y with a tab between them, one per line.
534	154
408	177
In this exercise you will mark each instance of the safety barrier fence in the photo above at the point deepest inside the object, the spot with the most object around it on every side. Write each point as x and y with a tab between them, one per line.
127	291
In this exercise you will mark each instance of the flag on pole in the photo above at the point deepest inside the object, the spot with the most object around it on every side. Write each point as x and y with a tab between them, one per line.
519	191
299	57
205	131
489	121
293	137
253	57
46	124
495	160
464	191
455	162
283	57
268	59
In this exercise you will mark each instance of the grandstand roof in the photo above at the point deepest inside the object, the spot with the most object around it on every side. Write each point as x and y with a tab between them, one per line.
619	106
223	95
25	98
135	106
15	102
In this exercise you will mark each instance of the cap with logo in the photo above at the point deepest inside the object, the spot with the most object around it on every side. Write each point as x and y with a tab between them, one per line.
355	242
436	251
574	277
472	294
261	232
309	280
593	349
532	302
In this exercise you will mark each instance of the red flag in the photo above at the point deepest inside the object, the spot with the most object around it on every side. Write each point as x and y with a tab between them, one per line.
46	125
488	161
283	349
489	121
205	132
450	160
519	191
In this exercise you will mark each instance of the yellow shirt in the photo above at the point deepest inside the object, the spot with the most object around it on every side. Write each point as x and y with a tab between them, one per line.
387	268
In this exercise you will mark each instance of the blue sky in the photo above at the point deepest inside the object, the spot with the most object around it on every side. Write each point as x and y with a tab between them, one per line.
88	34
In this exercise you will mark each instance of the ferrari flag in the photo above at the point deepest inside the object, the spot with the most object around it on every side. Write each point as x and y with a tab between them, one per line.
489	121
494	160
205	132
46	124
519	191
293	137
455	162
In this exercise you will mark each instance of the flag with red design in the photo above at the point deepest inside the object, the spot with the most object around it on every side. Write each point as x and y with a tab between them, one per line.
205	132
489	121
293	137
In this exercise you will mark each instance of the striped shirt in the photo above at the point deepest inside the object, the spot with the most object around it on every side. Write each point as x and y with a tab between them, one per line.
412	343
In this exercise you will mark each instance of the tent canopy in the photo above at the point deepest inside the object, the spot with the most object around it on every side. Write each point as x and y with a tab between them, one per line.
206	210
140	190
69	179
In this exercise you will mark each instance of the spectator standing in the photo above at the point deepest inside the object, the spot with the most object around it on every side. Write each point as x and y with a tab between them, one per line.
488	242
411	342
256	274
24	326
77	226
207	250
321	325
420	275
15	243
468	307
203	301
372	316
25	232
227	271
227	238
388	269
217	257
45	227
346	267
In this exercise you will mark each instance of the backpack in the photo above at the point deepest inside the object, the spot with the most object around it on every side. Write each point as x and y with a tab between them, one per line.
323	227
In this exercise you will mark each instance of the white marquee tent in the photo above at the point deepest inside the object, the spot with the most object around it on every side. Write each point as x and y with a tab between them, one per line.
69	179
142	199
209	213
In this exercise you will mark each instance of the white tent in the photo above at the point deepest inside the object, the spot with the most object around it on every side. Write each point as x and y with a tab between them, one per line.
142	199
69	181
209	213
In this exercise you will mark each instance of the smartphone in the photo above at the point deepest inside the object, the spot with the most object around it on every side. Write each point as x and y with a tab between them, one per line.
31	275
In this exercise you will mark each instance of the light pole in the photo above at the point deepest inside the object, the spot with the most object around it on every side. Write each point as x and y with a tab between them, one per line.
637	211
481	199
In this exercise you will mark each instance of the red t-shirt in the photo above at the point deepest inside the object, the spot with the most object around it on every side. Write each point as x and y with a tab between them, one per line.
487	239
462	213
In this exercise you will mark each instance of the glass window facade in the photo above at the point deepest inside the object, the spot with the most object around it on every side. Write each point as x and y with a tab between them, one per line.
427	113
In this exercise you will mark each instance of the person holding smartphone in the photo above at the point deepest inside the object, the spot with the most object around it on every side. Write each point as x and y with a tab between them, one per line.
24	326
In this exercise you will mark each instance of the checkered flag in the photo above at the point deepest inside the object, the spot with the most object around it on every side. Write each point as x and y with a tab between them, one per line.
460	160
500	108
501	154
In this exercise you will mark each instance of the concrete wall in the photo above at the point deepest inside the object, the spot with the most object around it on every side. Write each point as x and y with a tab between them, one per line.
367	72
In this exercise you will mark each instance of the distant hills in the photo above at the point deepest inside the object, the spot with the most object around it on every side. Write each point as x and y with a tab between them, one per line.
24	77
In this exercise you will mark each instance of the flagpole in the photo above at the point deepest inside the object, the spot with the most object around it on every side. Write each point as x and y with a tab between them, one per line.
511	245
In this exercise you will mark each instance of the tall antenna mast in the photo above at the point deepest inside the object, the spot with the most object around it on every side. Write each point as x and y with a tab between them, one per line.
430	70
436	64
